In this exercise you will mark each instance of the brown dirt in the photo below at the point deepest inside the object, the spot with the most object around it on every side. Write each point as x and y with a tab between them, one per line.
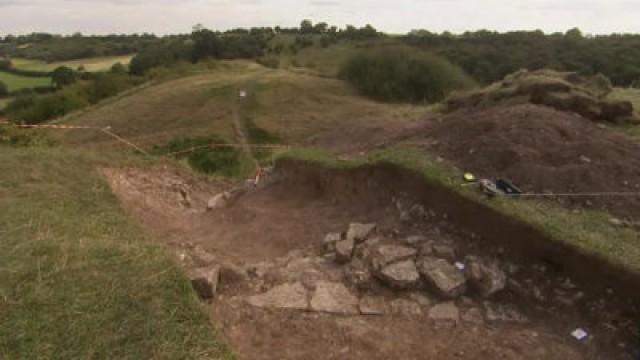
287	219
542	150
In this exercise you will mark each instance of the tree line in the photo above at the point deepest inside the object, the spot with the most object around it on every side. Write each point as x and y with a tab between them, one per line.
489	56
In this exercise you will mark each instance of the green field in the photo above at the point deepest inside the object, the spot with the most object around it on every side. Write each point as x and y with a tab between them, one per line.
78	279
4	102
18	82
95	64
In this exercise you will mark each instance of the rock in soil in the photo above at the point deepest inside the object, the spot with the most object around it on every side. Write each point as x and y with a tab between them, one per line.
359	275
416	240
488	279
370	305
473	316
334	298
406	308
205	281
286	296
402	275
443	277
360	232
504	314
329	242
421	299
344	251
443	251
219	201
389	254
446	312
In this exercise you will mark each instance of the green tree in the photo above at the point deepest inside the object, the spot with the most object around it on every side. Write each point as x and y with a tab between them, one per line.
63	76
4	89
306	27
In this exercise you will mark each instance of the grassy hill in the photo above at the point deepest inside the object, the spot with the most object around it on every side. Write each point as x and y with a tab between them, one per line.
78	280
289	105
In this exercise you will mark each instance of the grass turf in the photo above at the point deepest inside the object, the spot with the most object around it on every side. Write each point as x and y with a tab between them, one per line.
18	82
77	278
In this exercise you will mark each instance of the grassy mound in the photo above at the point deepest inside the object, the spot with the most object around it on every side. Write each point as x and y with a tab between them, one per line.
403	74
292	106
77	280
564	91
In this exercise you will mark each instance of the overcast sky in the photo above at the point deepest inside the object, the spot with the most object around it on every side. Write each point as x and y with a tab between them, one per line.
394	16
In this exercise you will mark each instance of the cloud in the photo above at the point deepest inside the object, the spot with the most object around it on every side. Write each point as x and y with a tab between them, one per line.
397	16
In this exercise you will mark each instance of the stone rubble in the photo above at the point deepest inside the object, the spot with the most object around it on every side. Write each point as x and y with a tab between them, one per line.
334	298
370	305
205	281
402	275
487	278
285	296
443	277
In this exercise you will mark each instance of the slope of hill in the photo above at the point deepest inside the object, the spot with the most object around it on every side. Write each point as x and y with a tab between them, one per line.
78	278
292	106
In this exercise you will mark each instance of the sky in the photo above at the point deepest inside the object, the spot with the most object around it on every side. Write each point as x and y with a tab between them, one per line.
391	16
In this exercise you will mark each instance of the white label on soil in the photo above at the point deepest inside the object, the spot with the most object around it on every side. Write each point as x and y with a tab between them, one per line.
579	334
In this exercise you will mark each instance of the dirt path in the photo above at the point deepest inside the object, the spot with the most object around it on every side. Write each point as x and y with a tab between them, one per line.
283	296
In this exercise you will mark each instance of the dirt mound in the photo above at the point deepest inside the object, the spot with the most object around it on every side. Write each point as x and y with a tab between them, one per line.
542	150
564	91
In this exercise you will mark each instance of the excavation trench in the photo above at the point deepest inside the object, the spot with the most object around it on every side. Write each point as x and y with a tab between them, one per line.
270	238
374	186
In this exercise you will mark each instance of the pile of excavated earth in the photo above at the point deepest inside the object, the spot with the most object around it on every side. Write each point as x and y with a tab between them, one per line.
564	91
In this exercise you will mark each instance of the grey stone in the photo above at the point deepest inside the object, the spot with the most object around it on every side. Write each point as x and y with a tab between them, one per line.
485	277
405	307
445	312
329	241
286	296
443	277
421	299
344	250
359	275
334	298
473	316
416	240
444	251
403	275
370	305
389	254
504	313
205	281
219	201
360	232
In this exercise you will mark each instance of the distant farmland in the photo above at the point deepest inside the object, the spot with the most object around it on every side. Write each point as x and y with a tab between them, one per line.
18	82
95	64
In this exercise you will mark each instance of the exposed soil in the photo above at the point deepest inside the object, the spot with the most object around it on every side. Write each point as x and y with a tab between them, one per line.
272	235
543	150
540	149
